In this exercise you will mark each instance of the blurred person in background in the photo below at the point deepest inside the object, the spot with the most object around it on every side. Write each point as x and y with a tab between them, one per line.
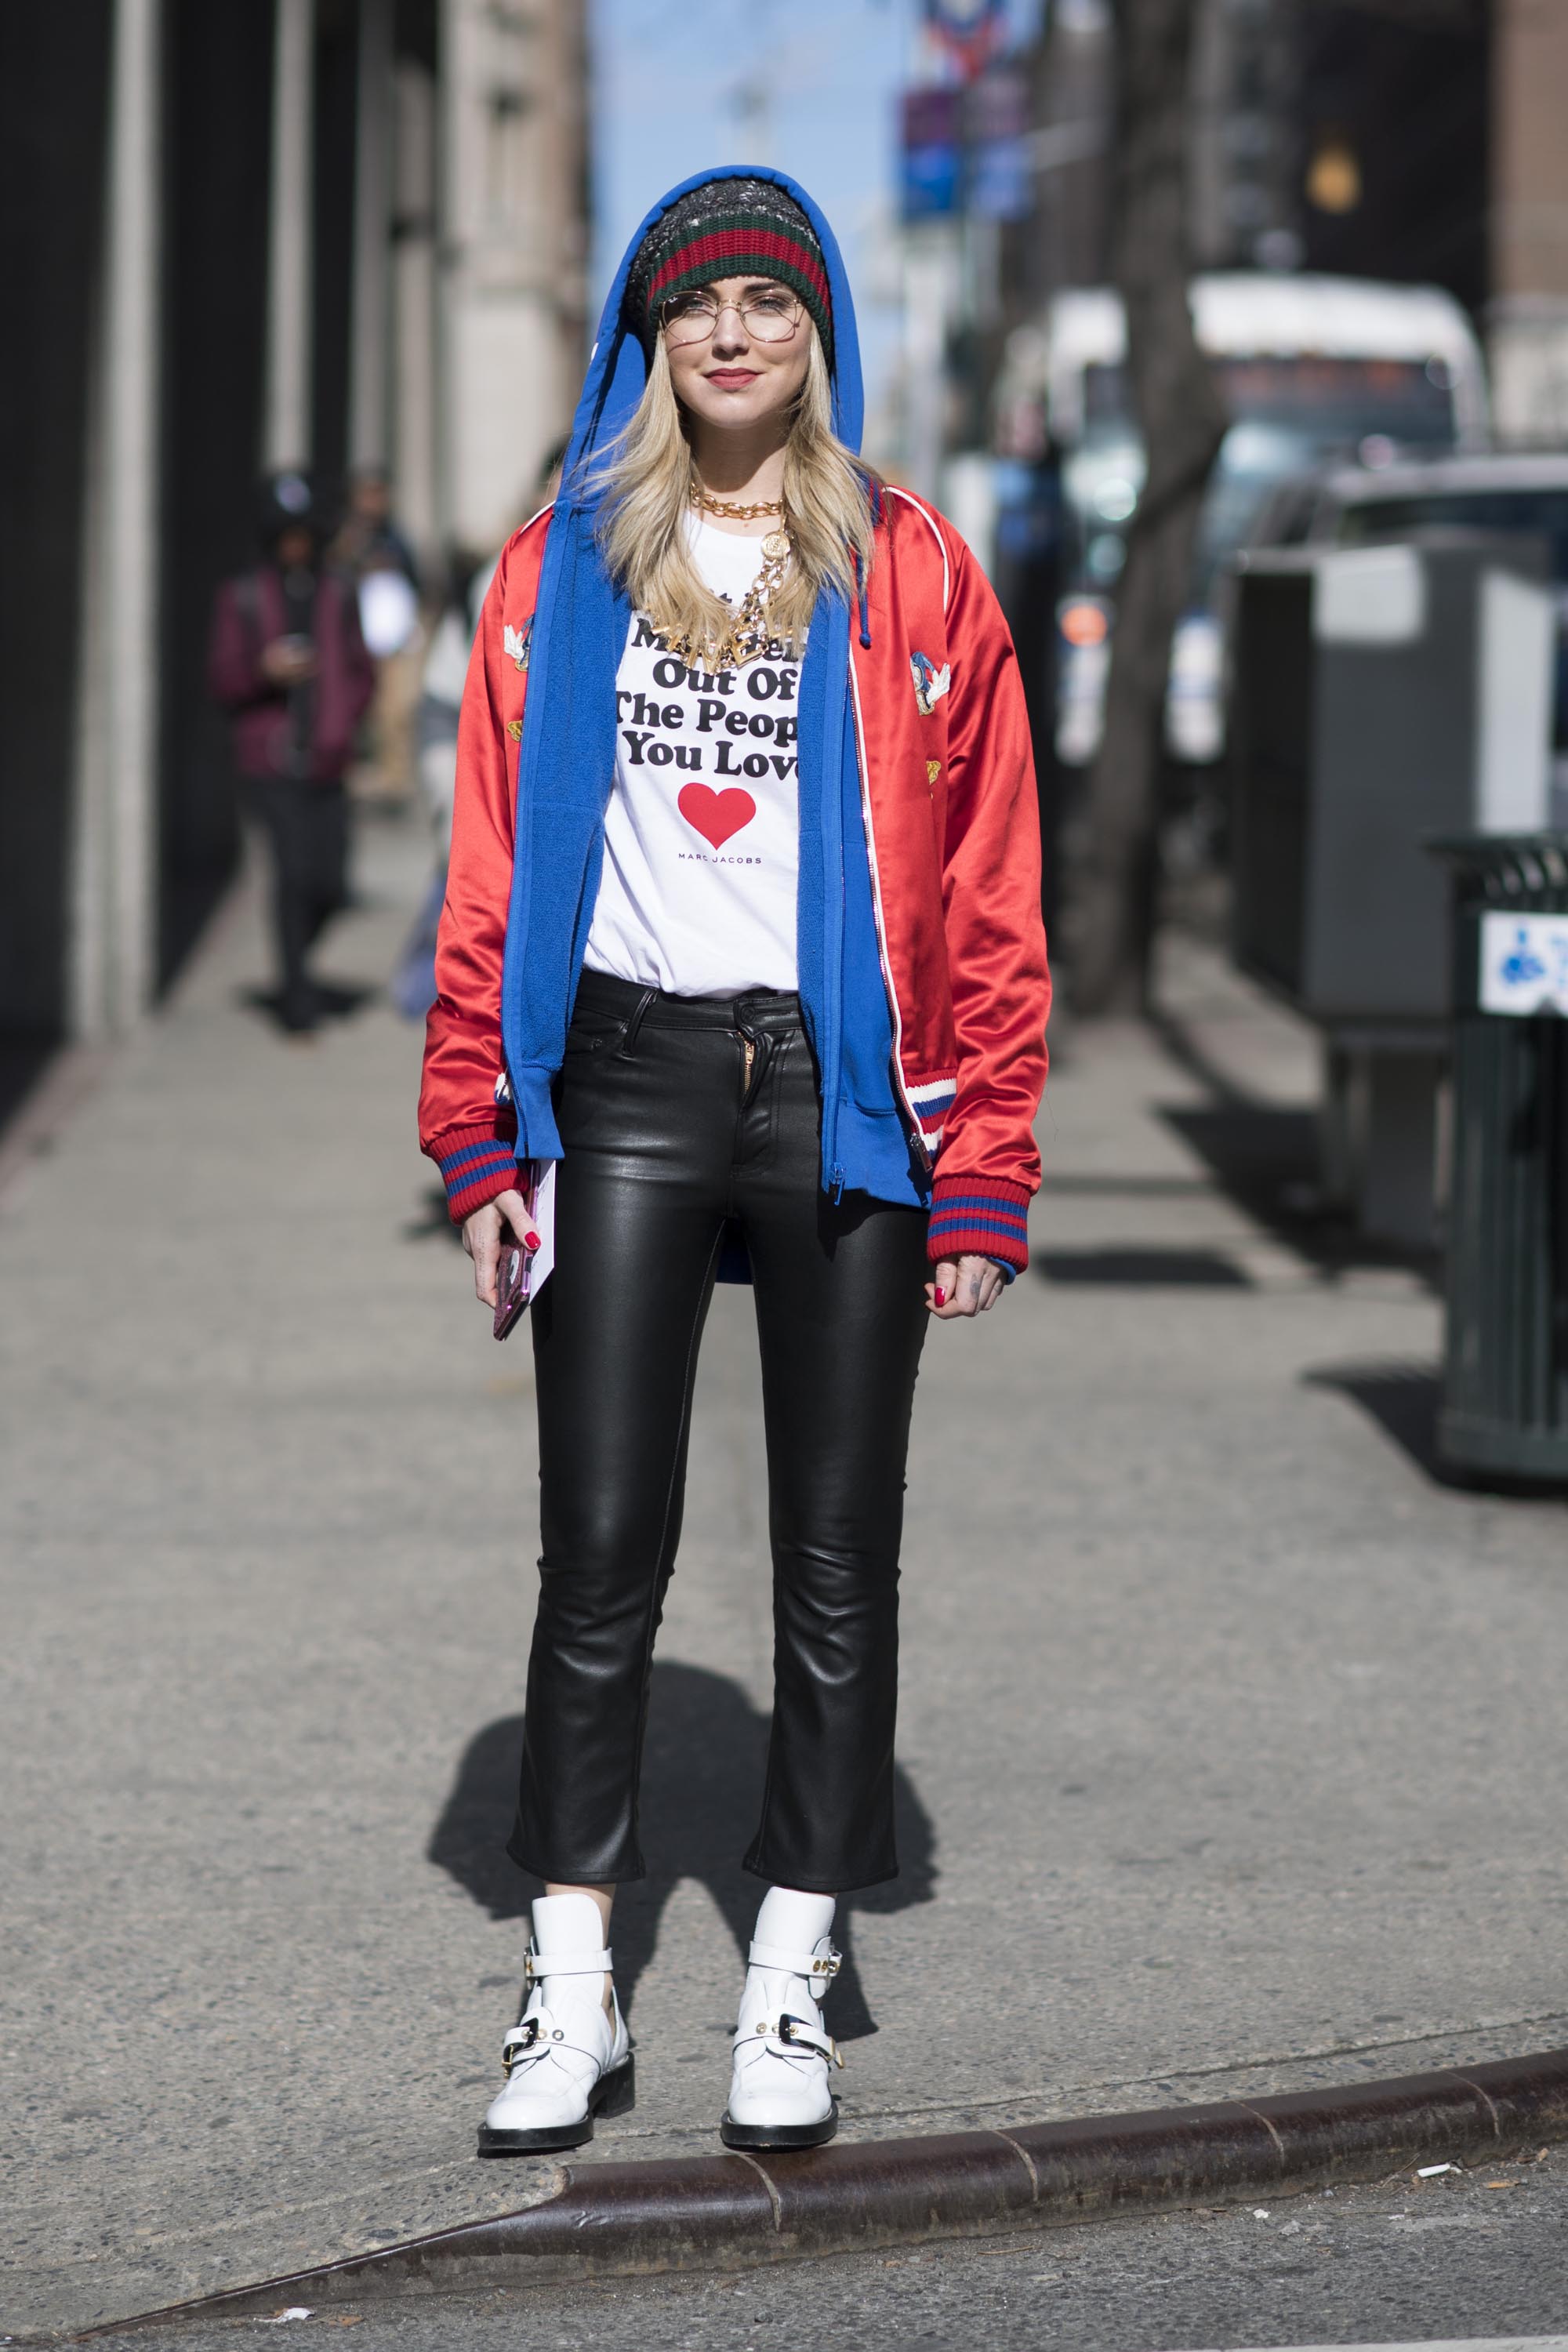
288	661
373	551
369	539
742	929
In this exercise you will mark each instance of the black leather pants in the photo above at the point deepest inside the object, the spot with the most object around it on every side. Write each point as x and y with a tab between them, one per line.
672	1131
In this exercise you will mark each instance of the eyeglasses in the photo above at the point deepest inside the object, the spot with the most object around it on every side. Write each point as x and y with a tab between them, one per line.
770	315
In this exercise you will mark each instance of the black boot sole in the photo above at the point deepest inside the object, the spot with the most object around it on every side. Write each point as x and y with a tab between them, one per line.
614	2094
779	2134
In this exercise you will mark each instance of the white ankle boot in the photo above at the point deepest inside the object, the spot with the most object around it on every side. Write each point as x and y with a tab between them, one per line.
780	2095
566	2060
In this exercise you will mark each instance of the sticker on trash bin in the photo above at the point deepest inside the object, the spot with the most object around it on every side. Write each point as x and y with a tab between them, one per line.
1524	964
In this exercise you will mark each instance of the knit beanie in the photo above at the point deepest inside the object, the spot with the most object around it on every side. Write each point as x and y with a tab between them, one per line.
729	228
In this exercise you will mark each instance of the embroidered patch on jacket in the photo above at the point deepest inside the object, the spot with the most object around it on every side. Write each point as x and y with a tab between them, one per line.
514	729
931	683
934	770
517	645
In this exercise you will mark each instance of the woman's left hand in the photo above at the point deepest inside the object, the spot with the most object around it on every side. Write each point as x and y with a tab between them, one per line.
965	1286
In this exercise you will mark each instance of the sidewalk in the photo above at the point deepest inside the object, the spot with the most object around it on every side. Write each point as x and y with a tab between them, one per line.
1233	1748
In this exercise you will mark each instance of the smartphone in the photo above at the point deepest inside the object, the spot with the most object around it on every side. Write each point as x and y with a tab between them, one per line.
511	1284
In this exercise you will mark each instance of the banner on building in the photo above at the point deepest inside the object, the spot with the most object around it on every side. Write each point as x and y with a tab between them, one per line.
971	31
967	151
931	154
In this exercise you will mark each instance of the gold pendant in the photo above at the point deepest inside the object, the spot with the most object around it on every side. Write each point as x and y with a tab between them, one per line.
776	547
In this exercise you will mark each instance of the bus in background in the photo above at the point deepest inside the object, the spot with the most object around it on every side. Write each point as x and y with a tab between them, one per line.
1309	368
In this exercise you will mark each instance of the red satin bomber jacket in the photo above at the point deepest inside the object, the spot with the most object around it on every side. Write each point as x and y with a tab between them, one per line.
952	828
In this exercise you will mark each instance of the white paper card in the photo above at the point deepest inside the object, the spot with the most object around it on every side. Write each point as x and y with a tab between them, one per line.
1524	964
544	1258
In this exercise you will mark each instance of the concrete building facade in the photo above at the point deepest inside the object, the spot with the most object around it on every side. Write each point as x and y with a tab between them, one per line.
277	233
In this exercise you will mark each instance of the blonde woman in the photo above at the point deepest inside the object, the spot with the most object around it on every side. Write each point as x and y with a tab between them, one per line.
742	944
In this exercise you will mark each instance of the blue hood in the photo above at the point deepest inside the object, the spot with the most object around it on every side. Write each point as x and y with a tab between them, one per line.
566	769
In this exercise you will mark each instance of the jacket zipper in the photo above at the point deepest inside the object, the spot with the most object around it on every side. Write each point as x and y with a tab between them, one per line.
832	978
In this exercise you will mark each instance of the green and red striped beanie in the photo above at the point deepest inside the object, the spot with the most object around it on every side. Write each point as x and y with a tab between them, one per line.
729	228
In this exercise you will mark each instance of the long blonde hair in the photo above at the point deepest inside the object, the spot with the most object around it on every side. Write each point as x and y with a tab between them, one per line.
647	480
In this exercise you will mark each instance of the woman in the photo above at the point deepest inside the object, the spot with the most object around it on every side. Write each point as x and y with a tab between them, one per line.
742	929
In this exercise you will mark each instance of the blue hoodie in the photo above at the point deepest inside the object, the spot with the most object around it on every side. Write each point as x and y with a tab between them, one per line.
567	765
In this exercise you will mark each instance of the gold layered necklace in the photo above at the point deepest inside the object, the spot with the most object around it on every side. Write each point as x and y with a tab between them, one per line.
748	637
732	507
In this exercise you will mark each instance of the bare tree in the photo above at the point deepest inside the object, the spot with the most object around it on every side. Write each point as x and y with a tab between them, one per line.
1112	870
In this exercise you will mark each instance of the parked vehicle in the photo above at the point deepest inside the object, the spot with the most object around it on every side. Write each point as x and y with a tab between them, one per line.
1310	367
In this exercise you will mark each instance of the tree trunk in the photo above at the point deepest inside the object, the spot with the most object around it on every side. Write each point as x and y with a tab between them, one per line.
1110	916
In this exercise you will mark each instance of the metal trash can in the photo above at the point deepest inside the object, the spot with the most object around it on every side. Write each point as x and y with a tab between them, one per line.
1505	1401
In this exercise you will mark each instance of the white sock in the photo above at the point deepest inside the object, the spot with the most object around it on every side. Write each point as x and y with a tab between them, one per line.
794	1920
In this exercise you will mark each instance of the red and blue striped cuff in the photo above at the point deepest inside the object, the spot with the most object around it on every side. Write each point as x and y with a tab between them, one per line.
979	1216
476	1165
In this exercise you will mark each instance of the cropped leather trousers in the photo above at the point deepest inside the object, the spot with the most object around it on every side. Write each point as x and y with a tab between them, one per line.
686	1122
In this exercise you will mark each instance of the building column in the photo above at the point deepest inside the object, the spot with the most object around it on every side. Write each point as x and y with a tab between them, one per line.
369	357
113	951
286	414
513	243
1528	315
414	390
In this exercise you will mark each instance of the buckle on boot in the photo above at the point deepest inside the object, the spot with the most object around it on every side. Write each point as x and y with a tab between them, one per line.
810	2038
519	2042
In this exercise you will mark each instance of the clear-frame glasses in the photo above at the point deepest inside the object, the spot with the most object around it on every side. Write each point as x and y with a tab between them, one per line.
770	314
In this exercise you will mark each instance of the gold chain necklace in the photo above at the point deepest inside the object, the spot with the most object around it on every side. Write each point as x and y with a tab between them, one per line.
747	638
736	512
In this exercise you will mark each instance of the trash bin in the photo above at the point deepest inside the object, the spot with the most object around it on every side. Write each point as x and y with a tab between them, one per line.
1505	1402
1380	695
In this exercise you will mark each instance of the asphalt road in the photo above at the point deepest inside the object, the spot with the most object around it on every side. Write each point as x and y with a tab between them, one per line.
1411	2260
1233	1749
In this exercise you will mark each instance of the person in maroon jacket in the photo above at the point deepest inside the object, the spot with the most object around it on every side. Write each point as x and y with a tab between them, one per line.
288	661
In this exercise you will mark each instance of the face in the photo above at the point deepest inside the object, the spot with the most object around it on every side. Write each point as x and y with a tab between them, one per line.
738	377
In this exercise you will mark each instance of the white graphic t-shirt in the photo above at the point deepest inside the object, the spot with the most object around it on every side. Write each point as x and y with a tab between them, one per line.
701	835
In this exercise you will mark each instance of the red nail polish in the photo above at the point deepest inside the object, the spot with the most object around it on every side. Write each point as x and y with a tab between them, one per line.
942	1298
532	1242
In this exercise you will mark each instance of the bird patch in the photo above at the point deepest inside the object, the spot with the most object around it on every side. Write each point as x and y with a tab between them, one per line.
517	645
931	683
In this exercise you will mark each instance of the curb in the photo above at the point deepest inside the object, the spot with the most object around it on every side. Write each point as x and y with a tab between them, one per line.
736	2210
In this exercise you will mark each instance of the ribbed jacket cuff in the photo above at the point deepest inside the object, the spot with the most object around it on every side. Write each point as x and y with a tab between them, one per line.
979	1216
476	1165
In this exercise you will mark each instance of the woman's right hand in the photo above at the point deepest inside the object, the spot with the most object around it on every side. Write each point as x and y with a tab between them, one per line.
482	1238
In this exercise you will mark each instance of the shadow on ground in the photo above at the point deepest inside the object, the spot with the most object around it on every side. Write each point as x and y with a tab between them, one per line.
22	1065
702	1778
433	1217
1143	1269
1402	1399
1267	1158
336	999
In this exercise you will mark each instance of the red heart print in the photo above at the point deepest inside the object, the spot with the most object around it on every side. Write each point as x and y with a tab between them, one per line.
716	815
